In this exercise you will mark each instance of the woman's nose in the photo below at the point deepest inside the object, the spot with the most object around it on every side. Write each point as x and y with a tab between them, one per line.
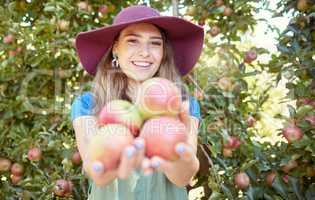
144	50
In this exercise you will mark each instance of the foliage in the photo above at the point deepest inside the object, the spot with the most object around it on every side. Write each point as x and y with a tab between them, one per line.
40	75
226	113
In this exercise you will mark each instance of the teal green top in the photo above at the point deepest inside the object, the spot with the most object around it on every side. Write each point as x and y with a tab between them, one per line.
138	187
155	186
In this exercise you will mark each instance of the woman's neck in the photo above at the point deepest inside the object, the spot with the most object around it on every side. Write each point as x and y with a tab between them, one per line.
133	89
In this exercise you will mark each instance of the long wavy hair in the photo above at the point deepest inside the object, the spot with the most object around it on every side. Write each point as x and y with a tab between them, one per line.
110	83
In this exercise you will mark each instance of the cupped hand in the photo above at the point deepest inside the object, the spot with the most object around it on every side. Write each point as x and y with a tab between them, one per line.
186	159
131	159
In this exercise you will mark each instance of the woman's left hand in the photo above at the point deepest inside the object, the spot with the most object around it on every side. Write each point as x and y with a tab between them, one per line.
178	171
182	169
187	160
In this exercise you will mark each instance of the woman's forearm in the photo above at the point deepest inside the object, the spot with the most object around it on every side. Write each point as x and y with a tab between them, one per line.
84	129
100	180
181	175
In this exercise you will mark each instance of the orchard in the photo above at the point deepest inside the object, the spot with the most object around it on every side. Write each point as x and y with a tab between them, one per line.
256	138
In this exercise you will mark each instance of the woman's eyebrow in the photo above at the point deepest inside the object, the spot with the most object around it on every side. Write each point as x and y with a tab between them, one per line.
137	35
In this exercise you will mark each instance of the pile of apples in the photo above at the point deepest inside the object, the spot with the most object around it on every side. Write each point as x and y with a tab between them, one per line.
157	116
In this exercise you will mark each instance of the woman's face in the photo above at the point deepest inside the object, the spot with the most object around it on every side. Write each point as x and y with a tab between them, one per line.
139	49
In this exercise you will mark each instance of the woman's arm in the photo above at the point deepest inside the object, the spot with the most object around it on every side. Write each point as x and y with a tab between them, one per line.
84	128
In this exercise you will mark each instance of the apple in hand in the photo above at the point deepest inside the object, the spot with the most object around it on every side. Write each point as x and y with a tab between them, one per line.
106	147
159	96
121	112
161	134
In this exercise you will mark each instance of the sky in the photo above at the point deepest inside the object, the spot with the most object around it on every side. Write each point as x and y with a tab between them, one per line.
263	37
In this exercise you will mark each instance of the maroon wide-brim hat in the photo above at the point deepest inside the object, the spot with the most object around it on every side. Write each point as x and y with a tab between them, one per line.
185	37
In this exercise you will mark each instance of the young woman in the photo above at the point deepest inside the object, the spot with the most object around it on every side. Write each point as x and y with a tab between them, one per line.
139	45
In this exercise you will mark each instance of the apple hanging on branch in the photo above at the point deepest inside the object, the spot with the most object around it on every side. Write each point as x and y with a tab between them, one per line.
292	133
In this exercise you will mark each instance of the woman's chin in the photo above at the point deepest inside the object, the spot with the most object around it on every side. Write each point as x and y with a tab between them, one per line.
139	77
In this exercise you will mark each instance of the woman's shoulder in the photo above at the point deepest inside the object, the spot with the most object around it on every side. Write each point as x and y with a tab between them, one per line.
82	105
194	107
85	96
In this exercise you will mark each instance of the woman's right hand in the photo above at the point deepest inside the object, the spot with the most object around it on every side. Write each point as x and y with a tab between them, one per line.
131	158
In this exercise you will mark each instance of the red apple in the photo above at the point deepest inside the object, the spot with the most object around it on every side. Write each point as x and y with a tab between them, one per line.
292	133
15	179
303	101
34	154
214	31
17	169
310	119
250	56
250	121
227	152
161	134
312	103
63	187
302	5
270	177
159	96
19	50
63	25
241	180
76	158
285	178
237	143
227	11
108	144
5	164
8	39
232	143
289	166
121	112
219	3
103	9
12	53
82	5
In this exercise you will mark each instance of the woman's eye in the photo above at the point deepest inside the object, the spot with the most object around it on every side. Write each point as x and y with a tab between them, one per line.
157	43
131	41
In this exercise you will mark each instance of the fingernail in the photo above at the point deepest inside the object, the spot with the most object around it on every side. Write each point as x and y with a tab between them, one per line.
139	143
98	167
156	163
180	148
130	151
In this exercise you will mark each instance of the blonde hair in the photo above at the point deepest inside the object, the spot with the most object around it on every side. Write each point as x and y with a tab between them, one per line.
110	83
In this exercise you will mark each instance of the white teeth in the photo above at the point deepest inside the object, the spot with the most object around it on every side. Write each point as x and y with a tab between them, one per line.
141	64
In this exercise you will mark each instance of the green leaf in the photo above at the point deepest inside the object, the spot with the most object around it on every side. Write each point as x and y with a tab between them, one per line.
249	164
294	182
49	8
303	110
226	191
310	192
280	187
216	196
291	111
250	194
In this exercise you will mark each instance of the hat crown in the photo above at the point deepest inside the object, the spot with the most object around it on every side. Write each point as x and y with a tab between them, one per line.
133	13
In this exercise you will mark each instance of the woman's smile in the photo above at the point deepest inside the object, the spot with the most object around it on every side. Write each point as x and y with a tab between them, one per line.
142	64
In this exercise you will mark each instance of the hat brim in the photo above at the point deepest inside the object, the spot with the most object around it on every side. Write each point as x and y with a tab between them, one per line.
185	37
